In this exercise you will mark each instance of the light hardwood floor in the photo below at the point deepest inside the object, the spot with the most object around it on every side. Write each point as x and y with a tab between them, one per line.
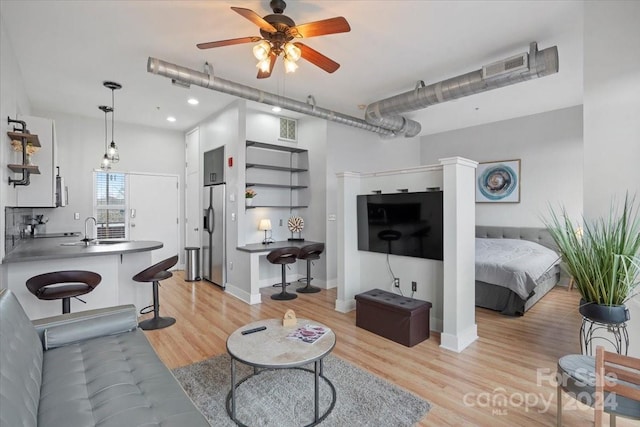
505	378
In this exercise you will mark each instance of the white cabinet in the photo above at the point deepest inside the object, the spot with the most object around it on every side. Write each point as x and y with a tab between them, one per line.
41	192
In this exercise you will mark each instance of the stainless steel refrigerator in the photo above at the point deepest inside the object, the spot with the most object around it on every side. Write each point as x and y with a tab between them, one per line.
213	228
213	242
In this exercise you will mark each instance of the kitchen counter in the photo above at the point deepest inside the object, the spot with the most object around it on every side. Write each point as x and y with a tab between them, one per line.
57	248
262	247
116	263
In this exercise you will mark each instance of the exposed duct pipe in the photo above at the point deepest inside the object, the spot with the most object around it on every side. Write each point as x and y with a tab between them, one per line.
385	113
186	76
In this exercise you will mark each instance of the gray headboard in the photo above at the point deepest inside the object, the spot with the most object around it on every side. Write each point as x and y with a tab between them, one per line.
533	234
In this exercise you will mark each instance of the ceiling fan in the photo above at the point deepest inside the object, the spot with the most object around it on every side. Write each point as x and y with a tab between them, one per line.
278	31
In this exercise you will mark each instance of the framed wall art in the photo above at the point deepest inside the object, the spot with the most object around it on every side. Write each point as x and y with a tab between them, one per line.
498	182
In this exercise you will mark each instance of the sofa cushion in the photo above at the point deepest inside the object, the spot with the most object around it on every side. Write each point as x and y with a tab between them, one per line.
117	381
20	365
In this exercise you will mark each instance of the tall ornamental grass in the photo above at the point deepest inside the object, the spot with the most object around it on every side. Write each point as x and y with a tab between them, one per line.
604	259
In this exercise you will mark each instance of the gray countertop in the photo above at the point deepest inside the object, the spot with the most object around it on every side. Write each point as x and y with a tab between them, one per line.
261	247
58	248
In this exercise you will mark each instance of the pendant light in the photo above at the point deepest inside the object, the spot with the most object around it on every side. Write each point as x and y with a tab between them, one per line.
105	164
112	150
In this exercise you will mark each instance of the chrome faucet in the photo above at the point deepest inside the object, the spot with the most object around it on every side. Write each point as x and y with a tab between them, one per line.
86	233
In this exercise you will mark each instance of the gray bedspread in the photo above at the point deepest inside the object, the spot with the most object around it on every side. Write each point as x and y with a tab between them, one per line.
514	264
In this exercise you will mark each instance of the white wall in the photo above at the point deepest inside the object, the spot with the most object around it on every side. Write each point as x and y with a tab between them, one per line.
611	103
354	150
13	101
611	115
550	148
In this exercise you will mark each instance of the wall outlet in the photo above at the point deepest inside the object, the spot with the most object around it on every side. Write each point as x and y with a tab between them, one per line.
280	223
414	286
76	215
396	282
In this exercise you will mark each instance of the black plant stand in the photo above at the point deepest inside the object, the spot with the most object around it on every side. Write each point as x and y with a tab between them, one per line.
591	331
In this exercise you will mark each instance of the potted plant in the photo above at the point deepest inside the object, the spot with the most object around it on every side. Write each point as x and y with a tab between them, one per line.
249	194
603	257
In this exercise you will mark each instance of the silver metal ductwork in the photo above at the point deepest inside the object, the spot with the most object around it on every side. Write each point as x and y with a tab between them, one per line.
519	68
384	117
186	76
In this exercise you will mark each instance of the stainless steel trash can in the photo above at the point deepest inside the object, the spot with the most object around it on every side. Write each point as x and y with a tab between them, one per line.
193	264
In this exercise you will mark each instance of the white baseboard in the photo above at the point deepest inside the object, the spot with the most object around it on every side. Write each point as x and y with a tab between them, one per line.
345	306
243	295
460	341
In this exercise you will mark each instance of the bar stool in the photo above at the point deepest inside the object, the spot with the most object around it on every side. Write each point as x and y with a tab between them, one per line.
283	256
47	286
154	274
310	253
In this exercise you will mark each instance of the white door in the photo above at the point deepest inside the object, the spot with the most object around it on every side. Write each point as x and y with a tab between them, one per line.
193	190
154	212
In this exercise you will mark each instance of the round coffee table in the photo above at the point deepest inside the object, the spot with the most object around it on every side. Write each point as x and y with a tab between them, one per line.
273	349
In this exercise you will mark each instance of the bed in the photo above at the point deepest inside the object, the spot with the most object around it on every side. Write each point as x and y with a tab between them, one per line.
515	267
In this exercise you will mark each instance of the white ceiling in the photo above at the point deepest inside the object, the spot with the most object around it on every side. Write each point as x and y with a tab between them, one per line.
65	49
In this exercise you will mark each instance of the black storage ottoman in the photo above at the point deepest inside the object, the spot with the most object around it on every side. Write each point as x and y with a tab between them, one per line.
400	319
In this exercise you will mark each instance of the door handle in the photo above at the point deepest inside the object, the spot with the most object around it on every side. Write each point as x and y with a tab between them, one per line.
133	213
195	229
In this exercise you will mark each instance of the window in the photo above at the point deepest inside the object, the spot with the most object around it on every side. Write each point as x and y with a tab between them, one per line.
110	205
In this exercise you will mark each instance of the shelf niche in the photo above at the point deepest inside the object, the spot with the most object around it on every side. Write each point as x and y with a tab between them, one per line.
280	172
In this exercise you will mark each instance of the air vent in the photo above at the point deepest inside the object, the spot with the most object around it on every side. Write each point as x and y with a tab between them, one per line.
509	65
288	129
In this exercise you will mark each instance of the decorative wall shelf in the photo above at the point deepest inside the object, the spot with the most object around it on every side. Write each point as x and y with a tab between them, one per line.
31	138
19	168
25	139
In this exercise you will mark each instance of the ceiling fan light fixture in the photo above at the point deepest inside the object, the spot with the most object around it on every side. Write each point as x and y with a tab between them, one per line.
264	65
261	50
290	66
292	51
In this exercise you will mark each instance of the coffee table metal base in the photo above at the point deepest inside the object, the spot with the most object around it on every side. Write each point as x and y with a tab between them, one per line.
317	372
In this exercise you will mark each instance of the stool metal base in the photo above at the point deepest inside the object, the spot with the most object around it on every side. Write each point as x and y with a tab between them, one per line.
283	296
308	290
156	323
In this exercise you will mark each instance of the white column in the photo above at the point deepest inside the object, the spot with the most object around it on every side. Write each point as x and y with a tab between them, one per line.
459	328
348	256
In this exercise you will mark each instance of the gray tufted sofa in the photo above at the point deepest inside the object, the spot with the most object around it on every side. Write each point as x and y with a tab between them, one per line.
92	368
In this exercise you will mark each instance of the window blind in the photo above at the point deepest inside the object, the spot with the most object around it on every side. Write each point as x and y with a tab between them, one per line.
110	205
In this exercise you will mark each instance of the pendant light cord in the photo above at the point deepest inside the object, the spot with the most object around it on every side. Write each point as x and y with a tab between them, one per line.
105	132
113	112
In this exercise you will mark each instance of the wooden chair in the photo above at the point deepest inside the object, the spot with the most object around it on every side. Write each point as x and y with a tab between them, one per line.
615	374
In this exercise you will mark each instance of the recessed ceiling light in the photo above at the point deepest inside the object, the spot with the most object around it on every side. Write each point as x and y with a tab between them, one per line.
193	101
276	109
171	119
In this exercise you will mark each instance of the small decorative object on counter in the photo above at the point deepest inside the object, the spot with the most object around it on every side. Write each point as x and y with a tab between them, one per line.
296	224
289	318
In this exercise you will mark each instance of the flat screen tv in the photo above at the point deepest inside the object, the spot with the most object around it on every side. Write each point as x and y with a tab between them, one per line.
408	224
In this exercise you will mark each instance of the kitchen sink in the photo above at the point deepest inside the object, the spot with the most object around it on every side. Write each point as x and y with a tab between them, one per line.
96	242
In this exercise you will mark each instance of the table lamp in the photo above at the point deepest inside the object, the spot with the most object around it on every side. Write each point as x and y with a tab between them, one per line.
265	225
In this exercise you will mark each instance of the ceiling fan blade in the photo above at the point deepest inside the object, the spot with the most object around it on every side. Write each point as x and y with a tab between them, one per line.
255	18
316	58
272	62
229	42
320	28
